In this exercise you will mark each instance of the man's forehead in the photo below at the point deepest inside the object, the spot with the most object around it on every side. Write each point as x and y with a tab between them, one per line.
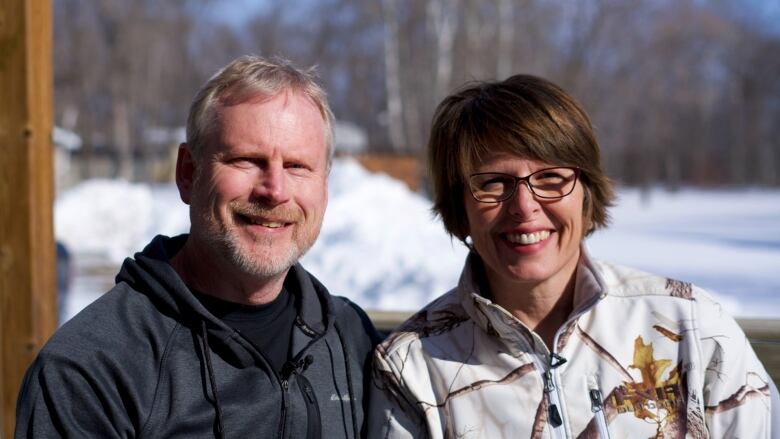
239	126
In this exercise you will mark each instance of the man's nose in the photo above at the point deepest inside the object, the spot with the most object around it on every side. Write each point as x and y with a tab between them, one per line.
271	186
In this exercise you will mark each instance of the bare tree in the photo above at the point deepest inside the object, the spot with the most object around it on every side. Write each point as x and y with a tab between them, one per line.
443	22
392	62
680	91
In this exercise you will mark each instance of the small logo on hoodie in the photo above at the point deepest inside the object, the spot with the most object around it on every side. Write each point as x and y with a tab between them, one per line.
336	397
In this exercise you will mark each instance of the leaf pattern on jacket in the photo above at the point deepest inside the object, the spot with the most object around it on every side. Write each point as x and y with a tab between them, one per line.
427	323
444	405
678	288
659	397
696	426
742	395
566	333
671	335
603	353
540	420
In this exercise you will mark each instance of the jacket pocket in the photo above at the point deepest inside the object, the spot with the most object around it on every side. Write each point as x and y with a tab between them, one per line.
314	424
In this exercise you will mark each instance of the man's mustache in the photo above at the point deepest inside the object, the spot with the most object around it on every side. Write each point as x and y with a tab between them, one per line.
277	213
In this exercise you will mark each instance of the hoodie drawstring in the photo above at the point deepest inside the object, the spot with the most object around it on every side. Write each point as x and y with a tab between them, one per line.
212	379
345	349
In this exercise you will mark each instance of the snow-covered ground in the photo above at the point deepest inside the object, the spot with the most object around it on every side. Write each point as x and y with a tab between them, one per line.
381	246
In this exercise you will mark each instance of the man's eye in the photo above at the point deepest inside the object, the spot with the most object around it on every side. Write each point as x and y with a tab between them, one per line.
242	162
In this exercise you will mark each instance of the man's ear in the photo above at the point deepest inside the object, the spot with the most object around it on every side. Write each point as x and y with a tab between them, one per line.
185	172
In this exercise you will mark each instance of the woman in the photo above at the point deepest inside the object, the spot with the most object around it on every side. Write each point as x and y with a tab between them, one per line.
538	339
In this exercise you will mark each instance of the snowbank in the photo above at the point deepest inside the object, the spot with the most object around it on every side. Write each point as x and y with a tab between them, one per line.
381	246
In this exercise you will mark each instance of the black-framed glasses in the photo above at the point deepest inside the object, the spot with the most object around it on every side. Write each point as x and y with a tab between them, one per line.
548	183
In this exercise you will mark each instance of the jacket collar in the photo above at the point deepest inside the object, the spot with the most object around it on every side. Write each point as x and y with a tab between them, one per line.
492	318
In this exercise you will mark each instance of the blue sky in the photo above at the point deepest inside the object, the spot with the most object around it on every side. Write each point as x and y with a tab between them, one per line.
766	12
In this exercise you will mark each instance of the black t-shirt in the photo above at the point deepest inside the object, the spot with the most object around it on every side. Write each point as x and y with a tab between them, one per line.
268	327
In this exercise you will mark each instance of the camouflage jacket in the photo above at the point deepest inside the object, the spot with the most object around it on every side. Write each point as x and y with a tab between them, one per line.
641	356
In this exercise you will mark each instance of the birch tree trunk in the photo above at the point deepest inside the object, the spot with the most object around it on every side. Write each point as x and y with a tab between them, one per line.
506	36
123	145
443	20
392	58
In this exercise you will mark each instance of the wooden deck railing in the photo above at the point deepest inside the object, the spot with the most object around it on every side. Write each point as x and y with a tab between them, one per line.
764	335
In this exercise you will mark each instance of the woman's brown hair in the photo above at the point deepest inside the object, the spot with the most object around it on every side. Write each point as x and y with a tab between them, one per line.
523	115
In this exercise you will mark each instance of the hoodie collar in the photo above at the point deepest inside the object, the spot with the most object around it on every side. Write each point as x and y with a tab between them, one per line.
151	273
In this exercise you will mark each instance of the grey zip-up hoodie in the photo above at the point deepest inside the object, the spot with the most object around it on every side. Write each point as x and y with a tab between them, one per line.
148	360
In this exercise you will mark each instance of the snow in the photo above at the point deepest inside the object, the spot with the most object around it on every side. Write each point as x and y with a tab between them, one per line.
381	246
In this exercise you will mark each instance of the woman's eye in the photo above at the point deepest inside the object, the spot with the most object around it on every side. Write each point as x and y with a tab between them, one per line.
549	176
552	176
495	183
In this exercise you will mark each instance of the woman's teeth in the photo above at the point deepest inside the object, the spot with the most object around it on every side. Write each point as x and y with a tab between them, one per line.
527	238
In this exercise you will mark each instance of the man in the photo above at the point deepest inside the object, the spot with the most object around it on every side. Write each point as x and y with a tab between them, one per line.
220	332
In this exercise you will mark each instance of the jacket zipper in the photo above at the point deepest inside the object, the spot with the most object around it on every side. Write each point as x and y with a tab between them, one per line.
294	368
554	414
597	407
556	410
283	419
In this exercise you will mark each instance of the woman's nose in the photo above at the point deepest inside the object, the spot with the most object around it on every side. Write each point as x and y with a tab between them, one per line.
523	202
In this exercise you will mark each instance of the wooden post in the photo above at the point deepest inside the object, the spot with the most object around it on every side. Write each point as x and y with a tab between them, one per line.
27	253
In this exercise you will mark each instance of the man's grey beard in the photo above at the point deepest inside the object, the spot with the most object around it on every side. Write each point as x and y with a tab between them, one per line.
264	265
248	264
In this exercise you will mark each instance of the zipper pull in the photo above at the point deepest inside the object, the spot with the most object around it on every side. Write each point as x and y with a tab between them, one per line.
556	360
305	363
595	400
285	385
548	383
291	367
554	416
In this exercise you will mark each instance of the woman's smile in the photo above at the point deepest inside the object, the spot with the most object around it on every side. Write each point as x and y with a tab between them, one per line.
525	238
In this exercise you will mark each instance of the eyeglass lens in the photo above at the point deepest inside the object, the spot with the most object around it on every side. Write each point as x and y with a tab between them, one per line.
545	183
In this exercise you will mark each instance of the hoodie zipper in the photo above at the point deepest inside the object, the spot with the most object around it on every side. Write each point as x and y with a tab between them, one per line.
285	400
292	368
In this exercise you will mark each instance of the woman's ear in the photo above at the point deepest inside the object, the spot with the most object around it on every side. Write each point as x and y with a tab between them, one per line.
587	212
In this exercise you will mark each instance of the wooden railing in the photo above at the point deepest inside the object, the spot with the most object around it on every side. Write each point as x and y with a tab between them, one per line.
764	335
